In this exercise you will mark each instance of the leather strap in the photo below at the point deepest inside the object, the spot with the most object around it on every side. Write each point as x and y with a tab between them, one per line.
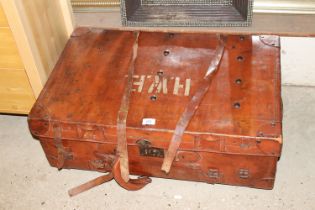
120	171
192	106
121	167
132	184
58	144
90	184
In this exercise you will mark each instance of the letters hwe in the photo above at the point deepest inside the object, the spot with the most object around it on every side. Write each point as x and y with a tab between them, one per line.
159	84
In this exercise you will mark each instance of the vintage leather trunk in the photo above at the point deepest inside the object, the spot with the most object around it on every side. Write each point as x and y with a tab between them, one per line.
234	136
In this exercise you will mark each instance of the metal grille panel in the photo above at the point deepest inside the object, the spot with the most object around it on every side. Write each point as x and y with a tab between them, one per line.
186	12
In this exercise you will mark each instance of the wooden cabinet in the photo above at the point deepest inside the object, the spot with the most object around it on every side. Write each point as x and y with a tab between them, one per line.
16	94
3	20
9	55
32	36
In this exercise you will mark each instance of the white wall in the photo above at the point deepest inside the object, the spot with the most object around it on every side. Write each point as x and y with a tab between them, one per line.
298	61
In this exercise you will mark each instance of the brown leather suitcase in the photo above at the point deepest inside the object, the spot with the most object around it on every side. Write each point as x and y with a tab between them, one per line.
187	106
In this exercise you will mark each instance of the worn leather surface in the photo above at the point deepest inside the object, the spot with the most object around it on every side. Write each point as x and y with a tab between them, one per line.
237	126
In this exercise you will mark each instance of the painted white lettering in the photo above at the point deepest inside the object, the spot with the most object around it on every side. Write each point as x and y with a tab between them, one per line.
158	85
187	87
178	85
165	86
139	83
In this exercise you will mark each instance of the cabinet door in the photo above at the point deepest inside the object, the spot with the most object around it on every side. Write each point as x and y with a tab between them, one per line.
9	55
3	20
16	95
32	37
40	29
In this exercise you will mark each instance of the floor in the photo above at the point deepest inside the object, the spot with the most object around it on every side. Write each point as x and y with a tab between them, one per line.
28	182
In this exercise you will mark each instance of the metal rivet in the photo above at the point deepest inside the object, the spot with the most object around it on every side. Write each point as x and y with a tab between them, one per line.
171	35
240	58
237	105
160	73
153	98
166	52
238	81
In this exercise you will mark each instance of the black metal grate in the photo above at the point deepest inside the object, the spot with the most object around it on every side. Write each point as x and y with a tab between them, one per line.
186	12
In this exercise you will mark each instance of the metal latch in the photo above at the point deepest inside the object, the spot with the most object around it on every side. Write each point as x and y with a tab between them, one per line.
145	149
243	173
214	173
